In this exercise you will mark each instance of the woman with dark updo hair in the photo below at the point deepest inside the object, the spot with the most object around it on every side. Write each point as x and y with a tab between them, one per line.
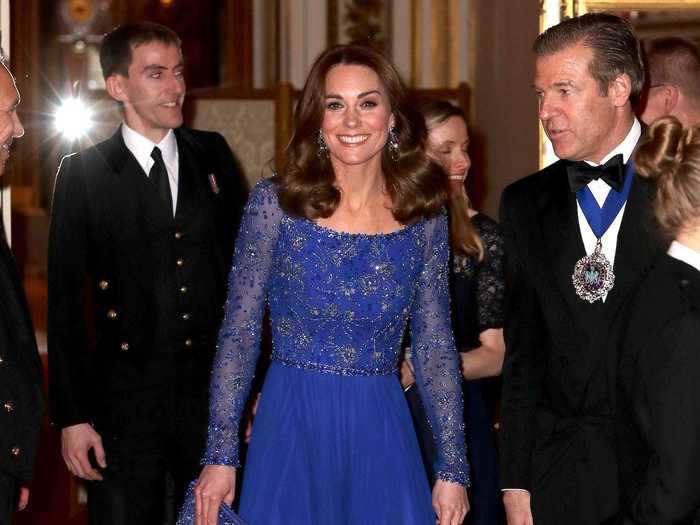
659	372
345	245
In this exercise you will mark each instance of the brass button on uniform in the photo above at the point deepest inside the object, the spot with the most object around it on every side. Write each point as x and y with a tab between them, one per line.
180	261
104	285
15	451
124	347
188	342
112	314
183	289
9	406
185	317
178	236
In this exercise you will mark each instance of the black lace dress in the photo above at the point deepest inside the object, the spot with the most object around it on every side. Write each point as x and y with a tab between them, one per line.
477	288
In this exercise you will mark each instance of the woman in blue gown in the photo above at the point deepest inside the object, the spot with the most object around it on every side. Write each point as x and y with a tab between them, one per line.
344	246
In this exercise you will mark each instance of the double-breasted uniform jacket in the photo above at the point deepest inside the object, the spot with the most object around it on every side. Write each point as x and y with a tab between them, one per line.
126	279
21	398
659	399
557	434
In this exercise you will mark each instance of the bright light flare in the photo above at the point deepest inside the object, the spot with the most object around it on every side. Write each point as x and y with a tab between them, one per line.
73	119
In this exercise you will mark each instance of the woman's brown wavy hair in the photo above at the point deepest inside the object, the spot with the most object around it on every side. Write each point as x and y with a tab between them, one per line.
415	183
464	238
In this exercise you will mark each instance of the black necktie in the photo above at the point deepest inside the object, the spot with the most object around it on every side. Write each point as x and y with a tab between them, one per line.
580	173
159	179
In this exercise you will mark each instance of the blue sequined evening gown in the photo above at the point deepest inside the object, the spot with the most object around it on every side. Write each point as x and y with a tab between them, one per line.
333	441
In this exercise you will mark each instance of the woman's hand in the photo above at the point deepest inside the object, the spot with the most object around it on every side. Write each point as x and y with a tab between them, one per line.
216	484
450	502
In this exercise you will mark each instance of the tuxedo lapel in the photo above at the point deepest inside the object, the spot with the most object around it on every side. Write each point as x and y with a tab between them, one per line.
126	206
189	177
562	241
635	246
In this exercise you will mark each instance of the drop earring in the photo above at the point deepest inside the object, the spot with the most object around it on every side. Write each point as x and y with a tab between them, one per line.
322	146
394	152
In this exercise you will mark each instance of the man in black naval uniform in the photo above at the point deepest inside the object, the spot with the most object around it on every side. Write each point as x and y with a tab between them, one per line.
141	239
21	400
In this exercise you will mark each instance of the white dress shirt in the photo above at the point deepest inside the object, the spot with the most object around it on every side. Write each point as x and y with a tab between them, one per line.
600	189
684	253
141	148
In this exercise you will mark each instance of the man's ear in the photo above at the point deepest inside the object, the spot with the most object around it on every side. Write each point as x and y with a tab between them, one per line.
671	95
115	87
620	89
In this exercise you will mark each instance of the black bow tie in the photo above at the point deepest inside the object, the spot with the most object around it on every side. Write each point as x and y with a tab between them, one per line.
580	173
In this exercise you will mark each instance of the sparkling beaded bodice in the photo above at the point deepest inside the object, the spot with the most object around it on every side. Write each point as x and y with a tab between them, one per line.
339	303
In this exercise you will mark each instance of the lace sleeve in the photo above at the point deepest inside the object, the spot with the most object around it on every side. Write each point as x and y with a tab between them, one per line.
238	345
490	280
435	358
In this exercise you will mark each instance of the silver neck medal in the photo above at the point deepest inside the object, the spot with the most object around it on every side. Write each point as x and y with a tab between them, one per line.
593	275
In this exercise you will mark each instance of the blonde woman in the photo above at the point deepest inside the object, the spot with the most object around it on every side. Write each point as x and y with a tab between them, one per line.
658	393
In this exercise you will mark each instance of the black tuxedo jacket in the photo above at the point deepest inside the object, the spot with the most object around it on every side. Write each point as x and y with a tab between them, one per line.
21	398
659	399
557	437
106	275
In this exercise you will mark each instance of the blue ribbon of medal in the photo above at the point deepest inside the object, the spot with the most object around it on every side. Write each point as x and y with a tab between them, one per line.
600	219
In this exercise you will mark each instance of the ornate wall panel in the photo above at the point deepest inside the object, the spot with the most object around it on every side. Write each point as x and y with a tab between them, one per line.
247	125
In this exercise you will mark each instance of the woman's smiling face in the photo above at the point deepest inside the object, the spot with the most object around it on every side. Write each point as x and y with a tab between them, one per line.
357	114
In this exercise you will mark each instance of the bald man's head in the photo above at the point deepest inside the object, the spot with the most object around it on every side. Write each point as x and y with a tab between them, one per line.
674	81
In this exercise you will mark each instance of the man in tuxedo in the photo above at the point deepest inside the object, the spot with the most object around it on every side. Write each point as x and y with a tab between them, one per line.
141	240
21	399
572	263
673	67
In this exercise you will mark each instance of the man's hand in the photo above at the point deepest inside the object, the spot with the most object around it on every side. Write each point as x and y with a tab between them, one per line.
517	503
23	498
450	502
76	441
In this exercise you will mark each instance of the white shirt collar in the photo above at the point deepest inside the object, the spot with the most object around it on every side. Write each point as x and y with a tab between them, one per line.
684	253
142	147
626	147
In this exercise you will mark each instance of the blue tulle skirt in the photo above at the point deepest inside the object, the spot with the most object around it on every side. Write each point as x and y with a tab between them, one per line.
329	449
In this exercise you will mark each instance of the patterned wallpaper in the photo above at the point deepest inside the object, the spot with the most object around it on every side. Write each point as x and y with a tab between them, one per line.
247	126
